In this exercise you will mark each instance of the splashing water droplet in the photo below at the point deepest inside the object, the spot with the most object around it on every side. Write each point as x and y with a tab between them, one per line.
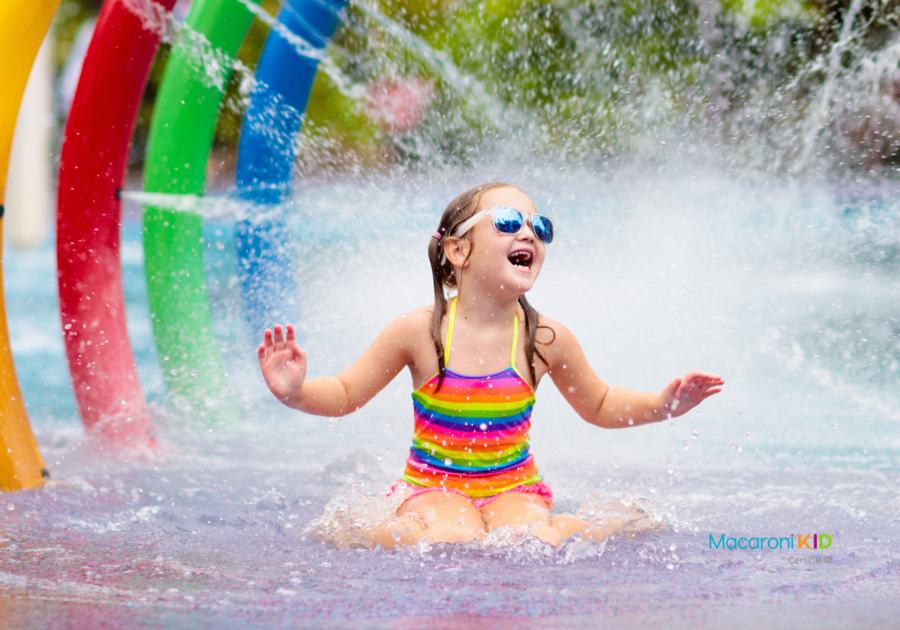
10	507
483	426
737	448
670	566
653	488
695	433
448	461
630	421
395	536
685	445
747	434
673	547
835	425
379	456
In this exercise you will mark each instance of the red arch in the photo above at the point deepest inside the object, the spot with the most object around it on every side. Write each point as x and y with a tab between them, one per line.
92	169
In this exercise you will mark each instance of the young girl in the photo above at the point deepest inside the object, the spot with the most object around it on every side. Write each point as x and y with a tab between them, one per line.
475	365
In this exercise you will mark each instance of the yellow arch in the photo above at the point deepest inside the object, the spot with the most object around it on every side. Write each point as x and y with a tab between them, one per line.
23	26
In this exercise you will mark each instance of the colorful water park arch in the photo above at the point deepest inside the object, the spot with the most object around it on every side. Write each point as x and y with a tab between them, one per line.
93	162
23	26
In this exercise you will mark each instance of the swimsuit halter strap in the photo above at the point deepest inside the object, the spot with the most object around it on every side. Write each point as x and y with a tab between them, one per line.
452	318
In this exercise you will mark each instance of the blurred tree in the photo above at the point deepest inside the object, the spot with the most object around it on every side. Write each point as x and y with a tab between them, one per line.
593	77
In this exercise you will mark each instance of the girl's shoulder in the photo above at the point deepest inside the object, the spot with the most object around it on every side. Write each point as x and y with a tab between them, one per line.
419	316
551	333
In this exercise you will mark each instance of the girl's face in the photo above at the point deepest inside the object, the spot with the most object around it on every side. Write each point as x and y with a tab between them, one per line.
505	262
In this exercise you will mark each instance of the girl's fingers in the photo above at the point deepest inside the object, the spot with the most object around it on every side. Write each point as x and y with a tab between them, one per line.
706	380
291	340
261	353
279	338
710	392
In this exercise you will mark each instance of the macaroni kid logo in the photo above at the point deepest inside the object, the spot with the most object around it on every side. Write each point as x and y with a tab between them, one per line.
789	543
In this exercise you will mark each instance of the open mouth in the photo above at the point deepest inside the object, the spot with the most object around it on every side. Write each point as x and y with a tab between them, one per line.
521	258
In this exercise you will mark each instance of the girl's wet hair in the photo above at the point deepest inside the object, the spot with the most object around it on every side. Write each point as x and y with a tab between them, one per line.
457	211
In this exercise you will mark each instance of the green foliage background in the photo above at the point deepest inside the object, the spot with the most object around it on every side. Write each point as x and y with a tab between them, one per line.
586	77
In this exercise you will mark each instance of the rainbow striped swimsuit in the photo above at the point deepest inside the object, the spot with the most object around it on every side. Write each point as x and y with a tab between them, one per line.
472	435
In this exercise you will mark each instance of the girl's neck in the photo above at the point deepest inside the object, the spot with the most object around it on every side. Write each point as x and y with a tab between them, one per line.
486	310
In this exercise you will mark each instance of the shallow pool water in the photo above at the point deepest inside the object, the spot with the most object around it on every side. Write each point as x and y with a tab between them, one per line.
788	291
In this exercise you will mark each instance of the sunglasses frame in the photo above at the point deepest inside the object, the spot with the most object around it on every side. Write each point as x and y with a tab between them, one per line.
469	223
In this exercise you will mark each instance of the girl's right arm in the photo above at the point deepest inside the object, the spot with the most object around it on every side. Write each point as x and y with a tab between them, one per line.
283	366
614	408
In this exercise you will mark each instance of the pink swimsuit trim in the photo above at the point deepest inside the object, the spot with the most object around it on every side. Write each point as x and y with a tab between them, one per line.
539	488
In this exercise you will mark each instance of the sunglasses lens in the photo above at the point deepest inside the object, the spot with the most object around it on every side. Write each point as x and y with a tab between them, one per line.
543	228
507	220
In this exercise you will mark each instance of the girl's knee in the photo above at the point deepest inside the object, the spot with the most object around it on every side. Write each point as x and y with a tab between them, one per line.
444	517
439	504
515	510
449	533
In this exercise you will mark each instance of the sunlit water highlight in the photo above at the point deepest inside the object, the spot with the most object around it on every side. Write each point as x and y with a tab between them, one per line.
789	292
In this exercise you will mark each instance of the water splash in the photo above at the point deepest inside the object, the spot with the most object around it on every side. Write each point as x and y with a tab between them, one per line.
213	65
500	114
351	514
832	67
216	67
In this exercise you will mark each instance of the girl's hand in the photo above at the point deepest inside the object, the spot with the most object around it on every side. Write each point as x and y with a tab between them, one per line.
683	394
283	364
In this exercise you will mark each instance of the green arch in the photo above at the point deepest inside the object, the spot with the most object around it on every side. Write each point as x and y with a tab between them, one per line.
181	135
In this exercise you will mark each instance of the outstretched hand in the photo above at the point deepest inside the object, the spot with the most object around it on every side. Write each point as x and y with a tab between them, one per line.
683	394
283	363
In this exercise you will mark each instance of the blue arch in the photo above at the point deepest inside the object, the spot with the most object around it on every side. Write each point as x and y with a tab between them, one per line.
266	157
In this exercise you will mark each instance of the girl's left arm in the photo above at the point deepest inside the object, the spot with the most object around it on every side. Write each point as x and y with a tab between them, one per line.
619	407
283	365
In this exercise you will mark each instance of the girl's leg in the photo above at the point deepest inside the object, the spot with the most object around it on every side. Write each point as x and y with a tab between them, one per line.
626	521
520	510
567	525
401	530
439	516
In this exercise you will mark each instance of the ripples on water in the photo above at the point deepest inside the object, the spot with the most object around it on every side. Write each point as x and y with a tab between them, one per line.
788	292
